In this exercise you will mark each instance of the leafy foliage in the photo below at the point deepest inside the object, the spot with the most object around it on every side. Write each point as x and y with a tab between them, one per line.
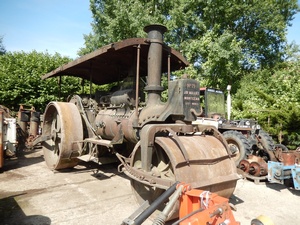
21	83
223	40
116	20
273	100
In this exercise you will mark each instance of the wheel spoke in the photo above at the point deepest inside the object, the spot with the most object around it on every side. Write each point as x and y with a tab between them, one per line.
61	118
160	167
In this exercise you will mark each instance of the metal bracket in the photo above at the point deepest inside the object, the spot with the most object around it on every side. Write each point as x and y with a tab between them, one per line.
148	133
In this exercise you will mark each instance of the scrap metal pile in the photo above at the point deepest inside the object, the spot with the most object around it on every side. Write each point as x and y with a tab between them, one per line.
278	165
18	133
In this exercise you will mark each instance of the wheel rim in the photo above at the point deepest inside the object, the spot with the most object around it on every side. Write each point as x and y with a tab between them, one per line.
234	148
62	123
238	145
160	165
54	142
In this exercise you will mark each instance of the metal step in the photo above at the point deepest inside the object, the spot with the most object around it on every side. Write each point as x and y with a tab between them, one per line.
100	161
102	142
87	158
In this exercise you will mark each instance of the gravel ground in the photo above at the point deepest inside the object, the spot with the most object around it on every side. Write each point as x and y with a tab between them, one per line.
90	194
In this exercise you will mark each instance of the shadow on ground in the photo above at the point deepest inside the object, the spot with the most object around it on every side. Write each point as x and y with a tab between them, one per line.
288	184
12	214
22	159
100	172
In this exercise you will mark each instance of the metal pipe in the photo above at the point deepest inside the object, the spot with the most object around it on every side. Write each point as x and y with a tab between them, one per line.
59	86
137	80
154	88
169	68
22	120
34	123
161	218
228	102
144	215
91	82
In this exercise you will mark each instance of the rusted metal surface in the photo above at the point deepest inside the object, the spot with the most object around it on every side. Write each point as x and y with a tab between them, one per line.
207	155
34	124
112	62
23	119
286	170
154	88
254	165
63	125
244	165
5	111
289	158
258	168
30	124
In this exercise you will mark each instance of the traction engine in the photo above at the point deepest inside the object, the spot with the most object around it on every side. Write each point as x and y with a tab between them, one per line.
155	141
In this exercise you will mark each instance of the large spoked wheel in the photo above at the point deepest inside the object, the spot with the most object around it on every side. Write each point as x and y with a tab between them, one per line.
63	125
238	144
161	165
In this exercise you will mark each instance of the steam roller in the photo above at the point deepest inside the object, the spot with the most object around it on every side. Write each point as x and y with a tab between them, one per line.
156	142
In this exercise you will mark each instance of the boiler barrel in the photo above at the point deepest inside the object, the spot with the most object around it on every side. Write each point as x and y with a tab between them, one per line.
110	123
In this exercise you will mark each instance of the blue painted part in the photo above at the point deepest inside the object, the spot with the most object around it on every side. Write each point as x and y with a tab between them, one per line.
296	176
277	173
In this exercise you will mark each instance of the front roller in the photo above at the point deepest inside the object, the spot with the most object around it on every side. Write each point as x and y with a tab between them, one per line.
209	168
62	126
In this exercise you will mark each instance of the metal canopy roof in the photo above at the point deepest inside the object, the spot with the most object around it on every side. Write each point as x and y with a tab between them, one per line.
115	61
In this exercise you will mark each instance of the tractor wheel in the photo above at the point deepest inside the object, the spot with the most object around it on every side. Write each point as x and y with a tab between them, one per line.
63	125
266	140
238	144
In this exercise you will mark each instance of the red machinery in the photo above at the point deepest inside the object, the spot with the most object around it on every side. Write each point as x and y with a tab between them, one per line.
196	207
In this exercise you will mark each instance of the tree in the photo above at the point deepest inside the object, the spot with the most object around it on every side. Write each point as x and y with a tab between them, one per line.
2	48
273	100
116	20
21	83
223	40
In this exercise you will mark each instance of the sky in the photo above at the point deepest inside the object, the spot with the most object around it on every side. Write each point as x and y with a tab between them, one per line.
45	25
59	25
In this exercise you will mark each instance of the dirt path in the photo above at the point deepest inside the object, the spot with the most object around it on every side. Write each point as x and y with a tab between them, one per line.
90	194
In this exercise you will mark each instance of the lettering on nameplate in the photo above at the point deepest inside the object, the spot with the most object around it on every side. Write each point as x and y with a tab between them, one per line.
191	95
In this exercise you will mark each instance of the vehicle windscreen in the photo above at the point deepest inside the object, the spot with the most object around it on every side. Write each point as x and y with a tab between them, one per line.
215	102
